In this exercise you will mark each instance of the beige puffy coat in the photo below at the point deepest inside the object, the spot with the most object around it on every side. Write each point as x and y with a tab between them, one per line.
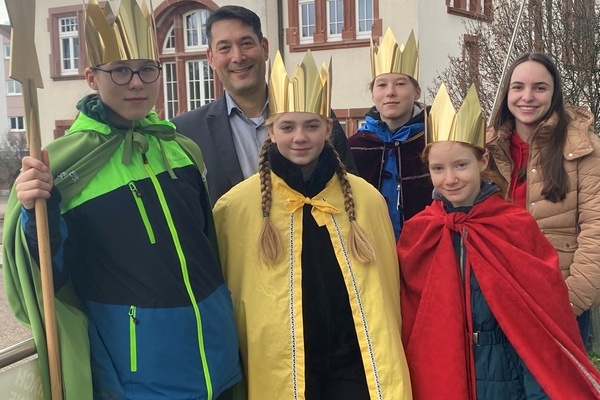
572	225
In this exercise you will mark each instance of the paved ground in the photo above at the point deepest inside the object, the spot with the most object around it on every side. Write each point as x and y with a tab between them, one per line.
11	331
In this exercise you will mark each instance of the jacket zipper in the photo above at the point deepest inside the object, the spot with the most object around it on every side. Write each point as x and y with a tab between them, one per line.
137	196
132	339
185	273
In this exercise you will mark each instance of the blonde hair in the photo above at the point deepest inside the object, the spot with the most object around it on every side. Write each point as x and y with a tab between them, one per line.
269	241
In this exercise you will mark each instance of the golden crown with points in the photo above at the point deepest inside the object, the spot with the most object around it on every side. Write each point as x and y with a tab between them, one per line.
467	125
306	90
128	34
391	58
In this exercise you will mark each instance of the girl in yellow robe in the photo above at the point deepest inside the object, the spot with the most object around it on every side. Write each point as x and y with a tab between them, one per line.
308	253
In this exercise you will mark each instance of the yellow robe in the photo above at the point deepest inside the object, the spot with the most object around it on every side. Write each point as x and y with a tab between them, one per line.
267	299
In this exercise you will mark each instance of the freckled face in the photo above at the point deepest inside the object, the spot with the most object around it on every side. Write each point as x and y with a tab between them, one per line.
456	172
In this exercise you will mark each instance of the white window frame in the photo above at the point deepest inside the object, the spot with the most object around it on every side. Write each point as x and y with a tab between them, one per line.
468	6
199	31
71	38
362	33
169	44
7	51
334	37
18	122
13	88
303	24
170	89
200	85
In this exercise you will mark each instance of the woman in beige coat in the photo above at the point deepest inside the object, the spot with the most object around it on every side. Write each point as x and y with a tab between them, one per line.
550	157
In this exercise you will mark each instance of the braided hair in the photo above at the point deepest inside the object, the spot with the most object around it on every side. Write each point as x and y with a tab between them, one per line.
269	242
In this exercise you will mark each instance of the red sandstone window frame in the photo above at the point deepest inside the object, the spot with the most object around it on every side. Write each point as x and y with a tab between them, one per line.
350	37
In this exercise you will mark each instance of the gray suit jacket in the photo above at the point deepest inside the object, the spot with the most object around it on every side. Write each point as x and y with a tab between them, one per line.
209	127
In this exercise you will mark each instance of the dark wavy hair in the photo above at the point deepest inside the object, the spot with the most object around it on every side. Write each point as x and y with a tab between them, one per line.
551	146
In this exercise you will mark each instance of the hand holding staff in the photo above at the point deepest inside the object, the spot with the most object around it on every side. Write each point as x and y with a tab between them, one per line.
24	68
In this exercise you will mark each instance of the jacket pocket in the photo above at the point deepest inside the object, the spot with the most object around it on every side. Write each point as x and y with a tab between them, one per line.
132	339
137	196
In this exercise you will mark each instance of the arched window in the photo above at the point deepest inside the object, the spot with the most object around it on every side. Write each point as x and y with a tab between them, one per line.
188	81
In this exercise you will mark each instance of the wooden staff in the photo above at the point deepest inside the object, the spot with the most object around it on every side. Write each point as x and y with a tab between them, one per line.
508	54
24	68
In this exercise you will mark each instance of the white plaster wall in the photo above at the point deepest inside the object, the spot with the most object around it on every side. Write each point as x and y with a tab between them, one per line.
437	32
57	100
440	34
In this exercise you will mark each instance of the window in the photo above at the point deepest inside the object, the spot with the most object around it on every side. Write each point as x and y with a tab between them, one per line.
307	20
330	24
170	79
66	35
69	45
364	18
16	124
188	80
195	29
478	9
13	88
335	19
170	42
200	83
7	51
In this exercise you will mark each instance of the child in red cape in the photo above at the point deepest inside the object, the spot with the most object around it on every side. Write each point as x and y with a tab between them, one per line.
485	309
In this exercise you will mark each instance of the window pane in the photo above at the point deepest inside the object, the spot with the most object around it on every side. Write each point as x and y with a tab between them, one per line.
335	13
16	123
170	40
365	15
192	29
69	45
204	16
200	84
66	54
209	94
13	87
170	82
307	19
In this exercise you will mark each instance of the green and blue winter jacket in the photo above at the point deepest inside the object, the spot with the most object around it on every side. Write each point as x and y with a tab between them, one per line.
131	227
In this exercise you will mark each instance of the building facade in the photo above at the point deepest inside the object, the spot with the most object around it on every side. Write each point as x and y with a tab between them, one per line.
340	29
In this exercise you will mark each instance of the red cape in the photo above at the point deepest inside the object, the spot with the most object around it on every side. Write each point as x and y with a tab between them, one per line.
517	270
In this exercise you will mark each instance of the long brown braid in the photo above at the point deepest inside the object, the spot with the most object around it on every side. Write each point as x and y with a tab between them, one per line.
359	244
269	242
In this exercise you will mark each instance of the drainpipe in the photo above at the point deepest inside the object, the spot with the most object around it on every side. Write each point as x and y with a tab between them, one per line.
280	29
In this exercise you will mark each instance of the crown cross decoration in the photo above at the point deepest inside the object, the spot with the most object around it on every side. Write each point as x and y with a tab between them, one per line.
467	125
391	58
127	34
307	89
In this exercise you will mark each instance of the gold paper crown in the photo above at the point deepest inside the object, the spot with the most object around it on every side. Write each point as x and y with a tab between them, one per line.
391	58
127	35
467	125
306	90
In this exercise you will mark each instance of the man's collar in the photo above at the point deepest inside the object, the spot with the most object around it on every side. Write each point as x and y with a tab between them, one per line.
231	105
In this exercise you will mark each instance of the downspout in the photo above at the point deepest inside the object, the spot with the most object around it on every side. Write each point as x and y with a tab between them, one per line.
280	28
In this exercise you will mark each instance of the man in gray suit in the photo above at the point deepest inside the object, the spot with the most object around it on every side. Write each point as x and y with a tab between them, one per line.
231	130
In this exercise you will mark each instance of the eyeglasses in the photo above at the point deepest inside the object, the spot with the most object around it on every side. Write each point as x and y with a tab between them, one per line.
122	75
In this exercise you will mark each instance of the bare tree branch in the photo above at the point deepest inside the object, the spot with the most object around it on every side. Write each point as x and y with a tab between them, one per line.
566	30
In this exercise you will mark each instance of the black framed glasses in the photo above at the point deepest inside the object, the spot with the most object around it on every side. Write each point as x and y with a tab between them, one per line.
122	75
